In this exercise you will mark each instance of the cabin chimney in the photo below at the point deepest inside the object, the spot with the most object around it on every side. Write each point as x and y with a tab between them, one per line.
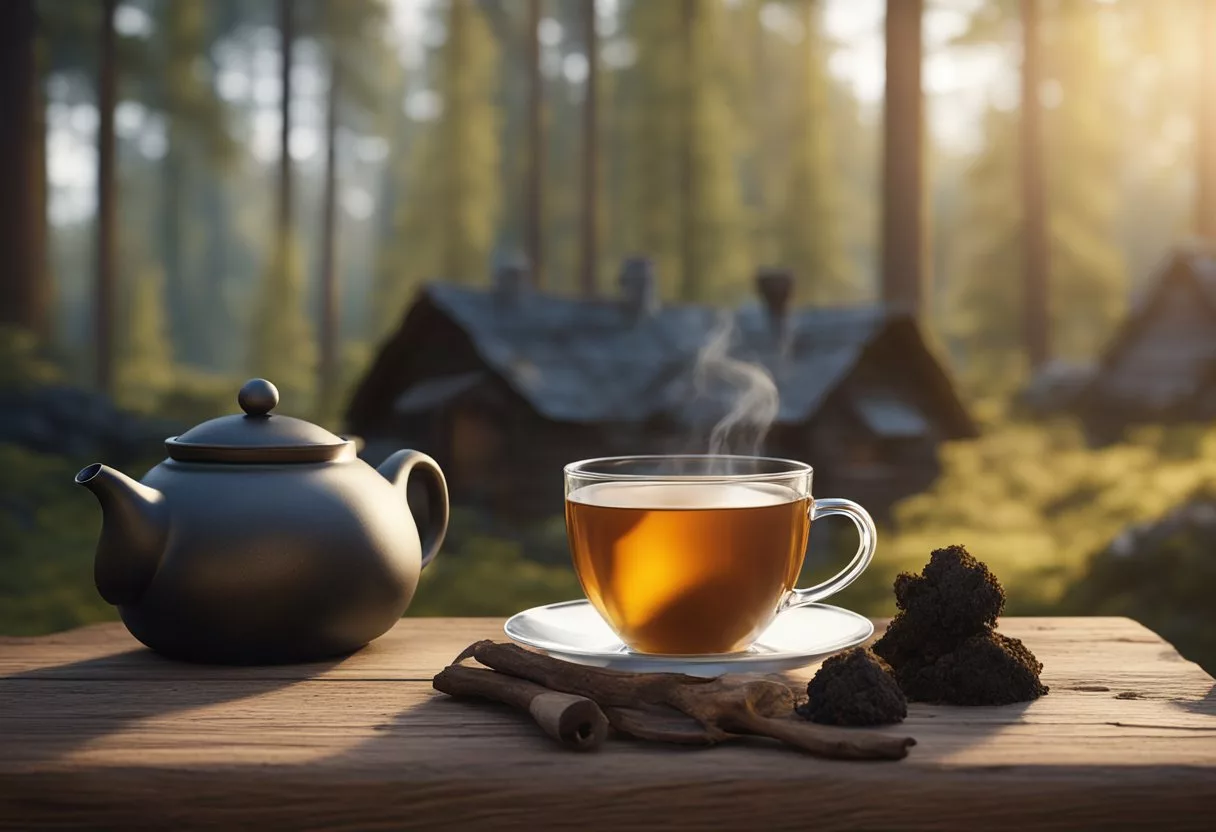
639	287
512	277
775	286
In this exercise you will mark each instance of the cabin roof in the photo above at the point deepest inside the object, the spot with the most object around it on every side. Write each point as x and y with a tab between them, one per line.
599	361
1163	351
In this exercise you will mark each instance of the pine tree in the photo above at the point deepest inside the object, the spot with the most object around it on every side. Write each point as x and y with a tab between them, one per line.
197	134
445	181
718	271
903	186
1086	283
464	150
144	370
807	227
987	264
282	344
106	275
403	256
651	100
24	291
352	33
589	203
1205	122
683	203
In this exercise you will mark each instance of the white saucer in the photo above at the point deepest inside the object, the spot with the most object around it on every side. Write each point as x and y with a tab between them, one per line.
574	631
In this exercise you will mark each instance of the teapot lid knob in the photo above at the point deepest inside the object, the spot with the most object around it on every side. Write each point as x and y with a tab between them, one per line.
258	397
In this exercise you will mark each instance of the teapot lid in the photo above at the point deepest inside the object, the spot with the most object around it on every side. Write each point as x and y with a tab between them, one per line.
257	435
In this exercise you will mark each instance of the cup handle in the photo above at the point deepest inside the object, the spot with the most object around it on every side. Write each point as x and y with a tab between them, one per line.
865	551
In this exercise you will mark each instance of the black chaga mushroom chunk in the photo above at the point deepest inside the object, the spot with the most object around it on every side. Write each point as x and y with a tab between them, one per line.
854	688
955	595
985	669
912	641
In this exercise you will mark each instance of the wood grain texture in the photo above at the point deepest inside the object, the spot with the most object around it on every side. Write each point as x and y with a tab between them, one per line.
95	732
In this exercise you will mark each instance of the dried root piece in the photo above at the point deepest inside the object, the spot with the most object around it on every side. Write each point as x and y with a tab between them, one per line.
724	707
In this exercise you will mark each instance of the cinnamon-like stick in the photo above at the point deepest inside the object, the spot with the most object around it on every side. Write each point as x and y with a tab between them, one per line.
574	721
724	706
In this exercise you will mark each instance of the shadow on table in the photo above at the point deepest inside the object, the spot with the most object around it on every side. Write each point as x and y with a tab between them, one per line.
1206	705
95	704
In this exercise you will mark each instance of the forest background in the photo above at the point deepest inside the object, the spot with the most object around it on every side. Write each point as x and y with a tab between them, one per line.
197	163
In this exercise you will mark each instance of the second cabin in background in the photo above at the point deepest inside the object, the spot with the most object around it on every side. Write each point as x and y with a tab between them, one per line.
505	386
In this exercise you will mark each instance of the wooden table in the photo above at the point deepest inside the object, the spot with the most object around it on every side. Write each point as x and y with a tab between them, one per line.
97	732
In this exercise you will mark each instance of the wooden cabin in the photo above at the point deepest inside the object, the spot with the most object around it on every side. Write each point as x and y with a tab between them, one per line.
505	386
1160	365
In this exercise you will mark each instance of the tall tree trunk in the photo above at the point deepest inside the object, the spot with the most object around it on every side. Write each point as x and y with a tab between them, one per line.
1205	145
287	36
534	238
329	364
107	231
178	300
903	197
690	278
761	84
24	295
1036	315
591	153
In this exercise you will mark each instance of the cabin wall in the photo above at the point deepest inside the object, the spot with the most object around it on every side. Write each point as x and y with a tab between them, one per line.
851	462
429	346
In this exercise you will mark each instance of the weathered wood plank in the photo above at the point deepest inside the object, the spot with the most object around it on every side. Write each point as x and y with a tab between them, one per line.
418	647
95	733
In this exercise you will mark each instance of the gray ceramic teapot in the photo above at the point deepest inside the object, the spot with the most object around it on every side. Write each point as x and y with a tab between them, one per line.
263	539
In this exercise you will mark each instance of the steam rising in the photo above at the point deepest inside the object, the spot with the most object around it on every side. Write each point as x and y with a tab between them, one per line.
748	387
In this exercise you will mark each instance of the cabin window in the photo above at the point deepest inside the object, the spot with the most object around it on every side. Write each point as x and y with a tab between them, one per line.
892	417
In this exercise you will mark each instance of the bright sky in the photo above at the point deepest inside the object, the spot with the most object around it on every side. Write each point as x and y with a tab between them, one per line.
958	82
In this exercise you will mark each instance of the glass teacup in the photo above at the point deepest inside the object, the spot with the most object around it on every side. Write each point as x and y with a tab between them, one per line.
696	555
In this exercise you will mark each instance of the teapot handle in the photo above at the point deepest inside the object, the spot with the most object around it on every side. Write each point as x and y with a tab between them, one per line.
397	469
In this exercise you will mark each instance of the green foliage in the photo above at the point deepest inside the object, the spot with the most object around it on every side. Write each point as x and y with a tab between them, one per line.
23	361
196	395
490	577
1165	583
48	530
283	347
1035	503
144	367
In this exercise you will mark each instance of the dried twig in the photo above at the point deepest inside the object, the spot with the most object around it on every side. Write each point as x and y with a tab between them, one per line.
723	706
663	727
574	721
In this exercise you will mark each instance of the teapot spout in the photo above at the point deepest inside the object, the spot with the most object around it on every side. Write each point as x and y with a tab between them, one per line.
135	524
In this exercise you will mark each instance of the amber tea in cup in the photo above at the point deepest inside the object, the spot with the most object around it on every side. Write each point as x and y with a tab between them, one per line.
695	555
